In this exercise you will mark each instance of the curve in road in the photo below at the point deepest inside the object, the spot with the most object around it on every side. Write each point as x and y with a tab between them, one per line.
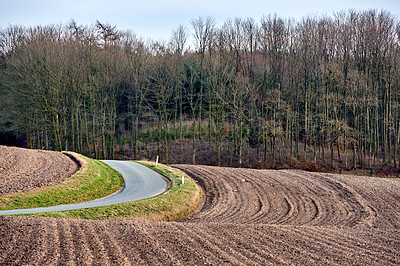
140	183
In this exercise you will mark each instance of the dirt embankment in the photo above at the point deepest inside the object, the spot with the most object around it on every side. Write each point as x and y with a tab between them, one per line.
250	217
23	170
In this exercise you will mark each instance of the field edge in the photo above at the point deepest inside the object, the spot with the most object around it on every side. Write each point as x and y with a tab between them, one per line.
94	179
178	202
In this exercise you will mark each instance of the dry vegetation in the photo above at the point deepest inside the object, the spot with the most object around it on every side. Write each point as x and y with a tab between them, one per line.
319	92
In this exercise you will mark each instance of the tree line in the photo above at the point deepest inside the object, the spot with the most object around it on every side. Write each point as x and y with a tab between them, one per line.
323	89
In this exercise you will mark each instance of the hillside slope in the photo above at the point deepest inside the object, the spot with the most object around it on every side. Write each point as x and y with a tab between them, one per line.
22	170
248	217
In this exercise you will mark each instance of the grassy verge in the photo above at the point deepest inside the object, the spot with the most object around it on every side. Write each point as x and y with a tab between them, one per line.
93	180
176	203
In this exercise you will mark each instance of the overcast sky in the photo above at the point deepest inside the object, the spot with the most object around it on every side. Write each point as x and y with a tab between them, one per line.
155	19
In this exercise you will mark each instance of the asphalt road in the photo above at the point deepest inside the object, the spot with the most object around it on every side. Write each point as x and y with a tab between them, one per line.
140	183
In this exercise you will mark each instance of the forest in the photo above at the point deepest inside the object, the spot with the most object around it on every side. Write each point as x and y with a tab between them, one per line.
320	93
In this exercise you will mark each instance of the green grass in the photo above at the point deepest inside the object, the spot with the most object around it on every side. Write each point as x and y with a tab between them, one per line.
176	203
94	180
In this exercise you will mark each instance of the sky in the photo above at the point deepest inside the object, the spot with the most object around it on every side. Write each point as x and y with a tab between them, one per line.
155	19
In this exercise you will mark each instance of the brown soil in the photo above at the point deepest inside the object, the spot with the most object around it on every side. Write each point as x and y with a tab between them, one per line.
22	170
249	217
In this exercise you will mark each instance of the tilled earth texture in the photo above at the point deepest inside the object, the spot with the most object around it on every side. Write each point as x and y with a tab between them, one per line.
249	217
23	169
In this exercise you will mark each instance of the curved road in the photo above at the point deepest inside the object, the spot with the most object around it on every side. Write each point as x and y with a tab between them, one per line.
140	183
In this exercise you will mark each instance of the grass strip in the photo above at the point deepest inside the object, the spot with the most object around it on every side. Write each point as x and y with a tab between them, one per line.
176	203
93	180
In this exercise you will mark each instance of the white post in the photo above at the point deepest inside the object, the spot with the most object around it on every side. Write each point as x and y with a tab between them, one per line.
157	161
183	179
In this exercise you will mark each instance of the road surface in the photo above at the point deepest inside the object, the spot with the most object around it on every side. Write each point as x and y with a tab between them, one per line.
140	183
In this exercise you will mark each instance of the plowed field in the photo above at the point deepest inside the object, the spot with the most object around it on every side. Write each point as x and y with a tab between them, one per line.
248	217
22	169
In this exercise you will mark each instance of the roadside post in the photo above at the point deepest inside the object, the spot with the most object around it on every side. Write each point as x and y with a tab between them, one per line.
157	161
